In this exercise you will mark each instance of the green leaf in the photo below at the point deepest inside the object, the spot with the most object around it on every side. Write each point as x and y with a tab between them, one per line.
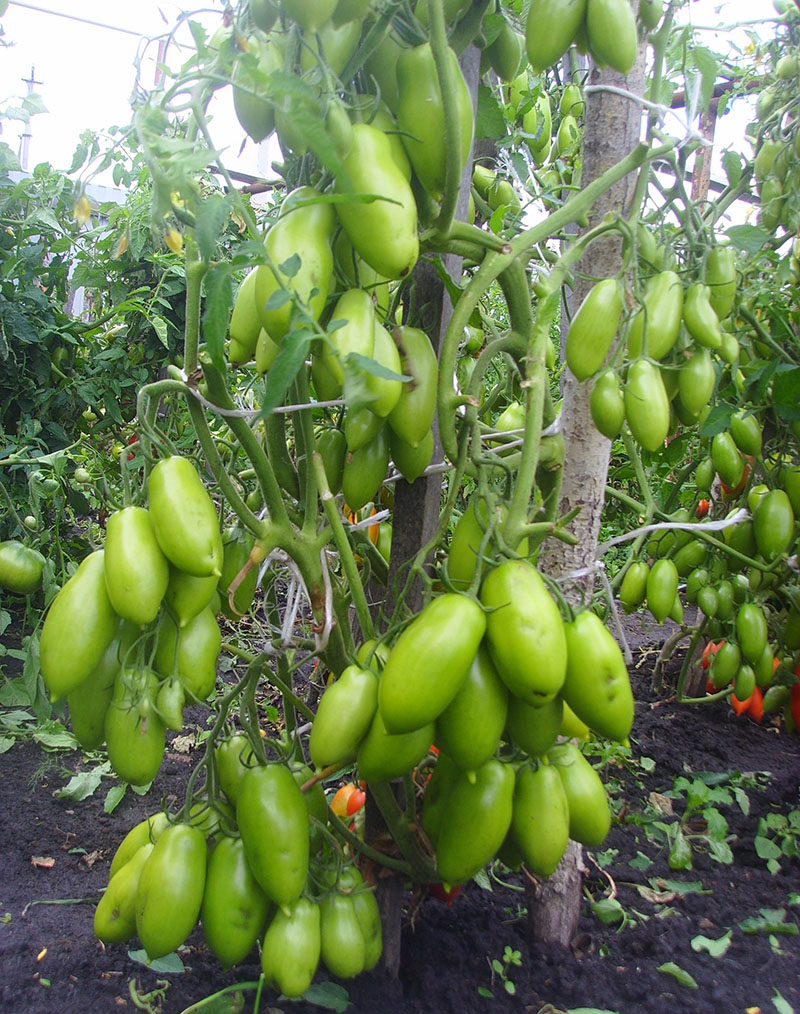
161	328
375	368
80	786
608	910
288	362
170	963
279	298
769	920
290	266
640	862
678	973
55	738
733	165
211	218
717	420
6	742
781	1005
216	315
114	797
680	854
766	848
786	393
749	238
590	1010
721	851
716	948
329	995
483	991
489	120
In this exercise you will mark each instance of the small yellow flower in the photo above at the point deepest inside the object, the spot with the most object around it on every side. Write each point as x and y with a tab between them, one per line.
121	247
82	210
174	240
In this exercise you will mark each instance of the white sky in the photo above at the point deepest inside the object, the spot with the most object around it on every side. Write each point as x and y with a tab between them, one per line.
87	74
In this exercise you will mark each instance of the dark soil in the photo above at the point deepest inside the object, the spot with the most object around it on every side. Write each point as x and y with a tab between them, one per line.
50	962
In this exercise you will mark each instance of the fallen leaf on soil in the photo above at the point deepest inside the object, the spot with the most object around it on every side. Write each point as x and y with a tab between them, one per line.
656	897
182	744
42	862
661	803
91	858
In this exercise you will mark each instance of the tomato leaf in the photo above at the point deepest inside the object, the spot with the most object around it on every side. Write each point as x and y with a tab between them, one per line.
291	357
716	948
781	1005
490	121
114	797
219	297
678	973
769	920
680	855
329	995
169	963
748	237
81	785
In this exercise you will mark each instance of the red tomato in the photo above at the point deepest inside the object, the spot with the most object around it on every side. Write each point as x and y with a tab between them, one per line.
740	707
710	688
448	897
794	704
711	648
728	491
355	801
702	508
755	709
340	801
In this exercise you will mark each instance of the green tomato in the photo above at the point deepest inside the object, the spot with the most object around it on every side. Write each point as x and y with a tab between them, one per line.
429	662
115	915
134	733
343	717
187	595
383	755
291	949
184	518
303	233
476	816
89	701
647	405
78	628
589	812
274	825
470	727
662	586
412	416
20	568
170	890
234	908
594	328
597	687
343	948
550	28
383	233
524	632
420	115
658	322
611	32
144	833
136	571
535	729
540	820
190	653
